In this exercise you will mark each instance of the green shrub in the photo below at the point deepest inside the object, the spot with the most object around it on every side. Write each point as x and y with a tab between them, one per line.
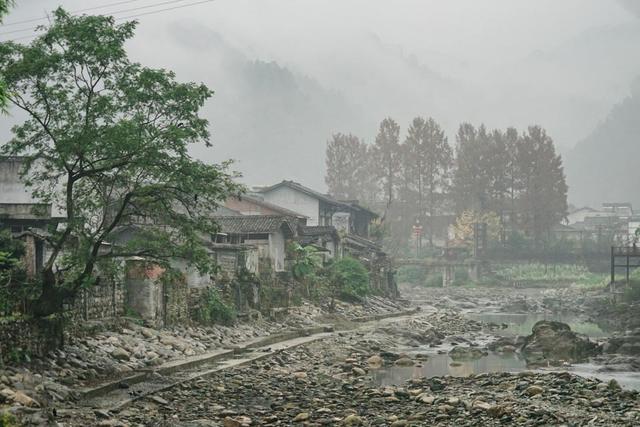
349	278
8	420
412	274
215	310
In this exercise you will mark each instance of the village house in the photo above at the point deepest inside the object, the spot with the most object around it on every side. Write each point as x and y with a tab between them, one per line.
269	233
615	221
320	209
328	220
23	216
336	227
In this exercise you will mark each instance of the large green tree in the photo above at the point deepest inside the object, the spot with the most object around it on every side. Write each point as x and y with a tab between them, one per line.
543	199
430	158
386	155
347	168
471	176
4	9
106	141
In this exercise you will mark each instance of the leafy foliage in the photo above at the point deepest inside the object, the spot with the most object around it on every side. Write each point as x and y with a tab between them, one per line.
14	287
106	140
463	228
515	176
349	278
215	310
307	260
8	420
347	168
4	9
427	163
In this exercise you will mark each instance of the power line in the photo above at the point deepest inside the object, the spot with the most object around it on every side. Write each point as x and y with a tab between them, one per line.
164	10
26	21
129	17
111	13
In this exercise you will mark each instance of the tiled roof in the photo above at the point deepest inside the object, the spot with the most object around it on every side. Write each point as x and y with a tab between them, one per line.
299	187
272	206
318	230
245	224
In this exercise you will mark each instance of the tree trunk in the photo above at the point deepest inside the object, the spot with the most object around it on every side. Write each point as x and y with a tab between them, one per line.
52	298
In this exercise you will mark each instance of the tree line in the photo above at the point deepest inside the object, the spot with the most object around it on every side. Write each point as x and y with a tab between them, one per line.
516	176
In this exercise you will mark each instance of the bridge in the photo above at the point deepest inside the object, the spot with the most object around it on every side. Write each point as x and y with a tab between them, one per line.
448	266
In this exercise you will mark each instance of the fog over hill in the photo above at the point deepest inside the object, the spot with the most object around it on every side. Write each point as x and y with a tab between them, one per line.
289	73
604	166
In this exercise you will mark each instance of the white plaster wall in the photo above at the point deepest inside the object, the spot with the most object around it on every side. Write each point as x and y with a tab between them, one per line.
193	277
13	189
296	201
277	250
580	215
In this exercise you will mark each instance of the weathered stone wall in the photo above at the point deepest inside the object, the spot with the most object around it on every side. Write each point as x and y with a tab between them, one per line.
177	302
103	301
30	337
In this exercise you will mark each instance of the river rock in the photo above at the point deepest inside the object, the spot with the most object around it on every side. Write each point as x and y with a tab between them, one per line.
466	353
302	416
24	400
120	354
375	362
358	371
352	420
555	341
534	390
404	361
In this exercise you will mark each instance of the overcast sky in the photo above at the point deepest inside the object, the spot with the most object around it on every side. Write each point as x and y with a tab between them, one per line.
343	65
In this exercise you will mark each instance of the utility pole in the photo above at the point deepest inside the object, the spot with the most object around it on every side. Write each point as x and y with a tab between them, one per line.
417	233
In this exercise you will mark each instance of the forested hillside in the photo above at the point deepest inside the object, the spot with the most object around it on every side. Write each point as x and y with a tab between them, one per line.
606	165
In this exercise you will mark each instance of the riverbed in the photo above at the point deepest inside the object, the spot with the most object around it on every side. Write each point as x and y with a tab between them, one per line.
439	363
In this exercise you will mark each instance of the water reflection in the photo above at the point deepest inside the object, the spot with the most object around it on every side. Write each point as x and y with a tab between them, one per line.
441	364
521	324
517	325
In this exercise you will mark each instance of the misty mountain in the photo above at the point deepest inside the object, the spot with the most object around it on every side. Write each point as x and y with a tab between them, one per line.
274	121
605	166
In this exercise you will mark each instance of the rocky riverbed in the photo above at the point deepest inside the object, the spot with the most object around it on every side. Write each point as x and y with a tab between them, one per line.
432	368
329	382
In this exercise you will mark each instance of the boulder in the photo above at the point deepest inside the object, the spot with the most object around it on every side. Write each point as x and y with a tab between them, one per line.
24	400
375	362
555	341
466	353
120	354
352	420
404	361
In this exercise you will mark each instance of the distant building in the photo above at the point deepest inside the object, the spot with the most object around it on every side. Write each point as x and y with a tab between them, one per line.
578	215
320	209
24	216
613	221
269	233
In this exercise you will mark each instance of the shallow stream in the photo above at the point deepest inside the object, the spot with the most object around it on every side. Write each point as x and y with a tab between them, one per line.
513	325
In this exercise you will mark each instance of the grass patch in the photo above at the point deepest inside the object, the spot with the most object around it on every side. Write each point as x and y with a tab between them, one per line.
536	272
